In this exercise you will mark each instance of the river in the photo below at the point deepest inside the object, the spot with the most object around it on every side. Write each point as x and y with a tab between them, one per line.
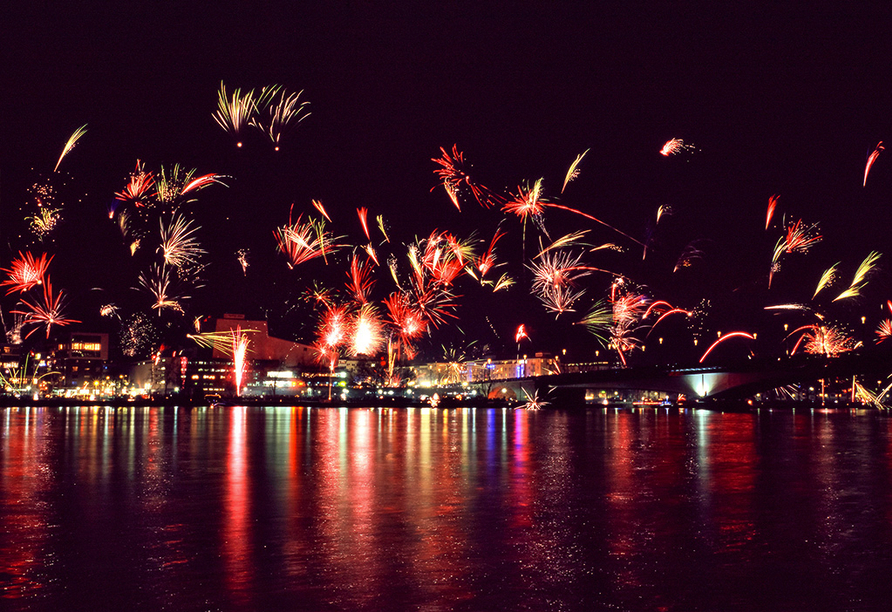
290	508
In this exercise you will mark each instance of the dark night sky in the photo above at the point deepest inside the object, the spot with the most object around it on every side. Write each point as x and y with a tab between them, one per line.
777	101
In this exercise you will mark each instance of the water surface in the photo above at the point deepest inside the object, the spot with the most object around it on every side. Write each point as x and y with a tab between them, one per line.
459	509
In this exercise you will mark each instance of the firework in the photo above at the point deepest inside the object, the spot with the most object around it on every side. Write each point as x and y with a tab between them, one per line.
521	333
300	242
861	277
380	220
827	279
573	171
280	116
870	160
242	256
25	272
361	282
487	260
884	330
109	310
363	214
738	334
72	141
676	146
46	313
772	204
827	340
234	112
533	402
240	344
555	277
137	190
318	206
175	182
366	328
158	282
44	222
798	239
627	306
454	179
178	244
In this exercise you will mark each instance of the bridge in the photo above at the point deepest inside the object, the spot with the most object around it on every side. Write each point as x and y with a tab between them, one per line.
738	380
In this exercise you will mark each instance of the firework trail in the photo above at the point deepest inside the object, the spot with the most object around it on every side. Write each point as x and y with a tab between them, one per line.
318	206
363	214
772	204
47	313
25	272
870	160
676	146
521	334
860	278
738	334
72	141
573	171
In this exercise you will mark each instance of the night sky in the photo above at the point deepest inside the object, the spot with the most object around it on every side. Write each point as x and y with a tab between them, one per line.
776	101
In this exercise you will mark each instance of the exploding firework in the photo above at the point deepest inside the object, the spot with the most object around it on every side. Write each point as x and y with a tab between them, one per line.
25	272
46	313
676	146
179	246
455	179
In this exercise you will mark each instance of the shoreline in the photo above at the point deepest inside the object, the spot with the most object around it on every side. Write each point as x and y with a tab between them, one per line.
402	402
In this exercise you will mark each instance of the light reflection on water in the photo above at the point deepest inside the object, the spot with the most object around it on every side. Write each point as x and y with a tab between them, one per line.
458	509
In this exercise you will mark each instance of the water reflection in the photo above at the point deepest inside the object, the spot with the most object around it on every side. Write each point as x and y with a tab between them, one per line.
463	509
